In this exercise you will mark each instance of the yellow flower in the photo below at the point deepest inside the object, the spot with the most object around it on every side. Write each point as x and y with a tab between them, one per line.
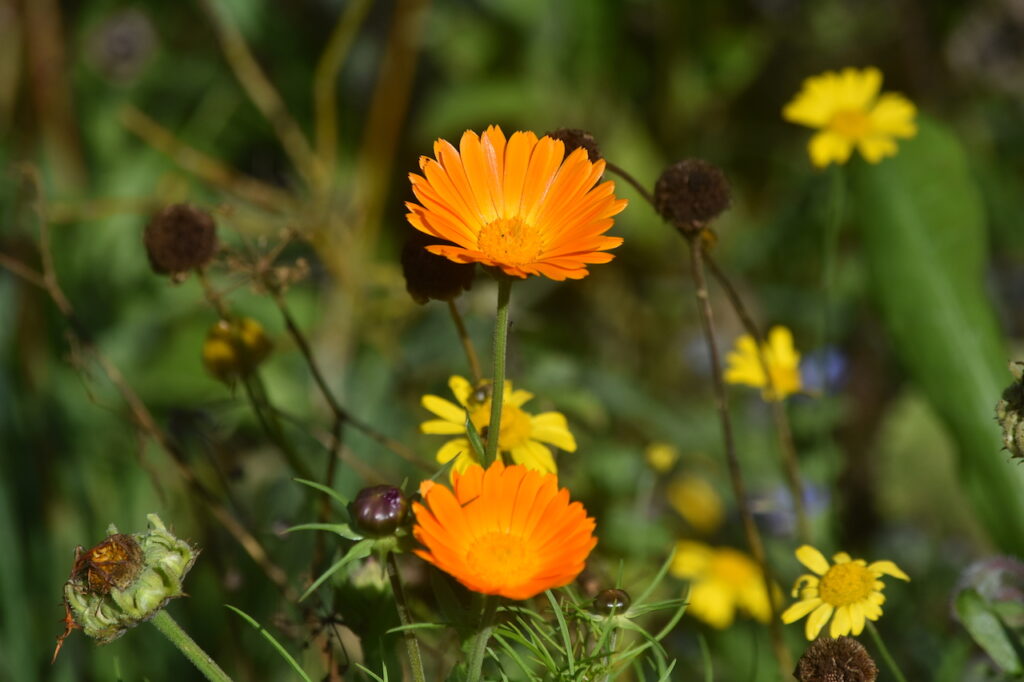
722	580
851	589
522	434
848	111
744	365
661	456
696	501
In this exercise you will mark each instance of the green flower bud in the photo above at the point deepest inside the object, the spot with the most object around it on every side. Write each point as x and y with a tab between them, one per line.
125	580
1010	412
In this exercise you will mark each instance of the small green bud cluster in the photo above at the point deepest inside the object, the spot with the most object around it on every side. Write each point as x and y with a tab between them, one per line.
121	583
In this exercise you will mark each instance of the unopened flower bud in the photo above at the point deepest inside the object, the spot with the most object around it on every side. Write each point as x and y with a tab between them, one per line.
379	510
124	581
836	660
691	193
429	276
235	348
611	600
574	138
1010	412
180	238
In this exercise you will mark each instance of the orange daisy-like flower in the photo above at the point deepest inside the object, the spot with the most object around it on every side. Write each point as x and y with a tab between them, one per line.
508	530
520	204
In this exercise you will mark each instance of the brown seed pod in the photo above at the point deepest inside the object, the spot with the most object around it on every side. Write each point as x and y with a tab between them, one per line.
178	238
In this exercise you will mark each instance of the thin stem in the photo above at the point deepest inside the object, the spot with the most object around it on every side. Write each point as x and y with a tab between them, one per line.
475	663
267	416
412	646
830	250
790	464
884	651
467	343
611	167
186	645
750	529
498	376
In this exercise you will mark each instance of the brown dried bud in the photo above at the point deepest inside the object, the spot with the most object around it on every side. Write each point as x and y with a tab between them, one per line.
836	660
1010	412
574	138
691	193
428	275
379	510
178	238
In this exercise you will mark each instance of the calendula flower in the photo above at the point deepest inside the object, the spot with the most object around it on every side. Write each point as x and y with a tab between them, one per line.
697	501
743	366
722	581
848	111
850	590
522	436
508	530
518	204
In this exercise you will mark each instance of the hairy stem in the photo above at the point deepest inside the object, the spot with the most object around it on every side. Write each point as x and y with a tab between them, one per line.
498	376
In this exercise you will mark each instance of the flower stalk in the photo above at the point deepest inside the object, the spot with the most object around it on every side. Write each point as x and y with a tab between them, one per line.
170	629
475	663
412	646
884	651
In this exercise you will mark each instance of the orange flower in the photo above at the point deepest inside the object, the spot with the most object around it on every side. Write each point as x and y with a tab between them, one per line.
508	530
520	204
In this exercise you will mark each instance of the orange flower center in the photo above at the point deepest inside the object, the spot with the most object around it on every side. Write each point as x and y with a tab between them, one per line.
502	557
510	240
851	123
845	584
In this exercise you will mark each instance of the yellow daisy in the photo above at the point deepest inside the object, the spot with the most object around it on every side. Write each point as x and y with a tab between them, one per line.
848	111
851	589
697	501
722	581
743	366
522	436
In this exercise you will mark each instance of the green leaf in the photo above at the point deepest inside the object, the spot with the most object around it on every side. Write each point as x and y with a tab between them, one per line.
342	529
988	631
324	489
270	638
924	239
360	550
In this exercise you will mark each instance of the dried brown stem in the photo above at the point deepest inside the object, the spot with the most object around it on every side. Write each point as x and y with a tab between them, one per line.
467	343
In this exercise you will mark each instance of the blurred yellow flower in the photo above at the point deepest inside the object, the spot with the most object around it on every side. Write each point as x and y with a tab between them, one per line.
743	366
523	435
661	456
697	501
722	581
848	111
851	589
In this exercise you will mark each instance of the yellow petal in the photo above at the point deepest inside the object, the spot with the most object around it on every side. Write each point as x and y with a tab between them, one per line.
840	622
713	603
888	568
460	388
857	618
812	559
859	88
691	559
442	427
874	148
534	456
551	427
817	620
841	558
799	610
457	447
827	147
894	115
518	397
444	409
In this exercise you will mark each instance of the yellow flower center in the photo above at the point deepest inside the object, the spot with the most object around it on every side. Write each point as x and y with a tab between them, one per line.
510	240
502	557
845	584
851	123
516	427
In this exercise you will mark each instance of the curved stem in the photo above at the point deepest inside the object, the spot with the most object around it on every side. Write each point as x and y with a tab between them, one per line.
475	663
412	646
498	375
886	656
186	645
830	249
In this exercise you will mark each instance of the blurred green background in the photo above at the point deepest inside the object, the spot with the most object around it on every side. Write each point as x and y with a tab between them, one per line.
898	446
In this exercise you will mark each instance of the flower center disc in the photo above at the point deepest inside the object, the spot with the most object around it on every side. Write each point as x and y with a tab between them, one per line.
846	584
851	123
501	557
509	240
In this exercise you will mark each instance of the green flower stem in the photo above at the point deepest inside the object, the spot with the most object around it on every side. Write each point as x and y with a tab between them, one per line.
256	391
475	664
412	646
886	656
200	659
498	376
830	252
